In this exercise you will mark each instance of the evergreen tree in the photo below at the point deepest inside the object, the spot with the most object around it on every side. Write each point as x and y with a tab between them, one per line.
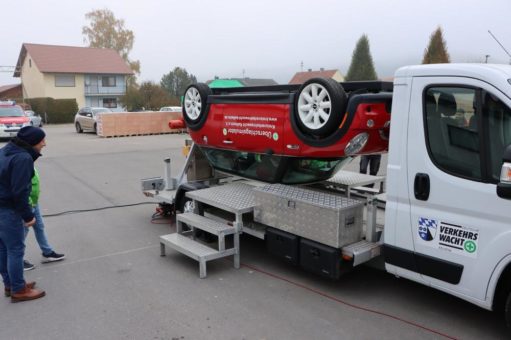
362	66
436	52
176	81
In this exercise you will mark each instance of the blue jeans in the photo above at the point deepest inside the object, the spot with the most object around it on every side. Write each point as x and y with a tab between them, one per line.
12	249
40	235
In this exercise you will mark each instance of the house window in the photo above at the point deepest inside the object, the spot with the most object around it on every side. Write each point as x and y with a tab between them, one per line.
108	81
64	80
110	103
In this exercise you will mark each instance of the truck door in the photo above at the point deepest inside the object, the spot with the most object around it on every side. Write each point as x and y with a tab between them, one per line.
456	139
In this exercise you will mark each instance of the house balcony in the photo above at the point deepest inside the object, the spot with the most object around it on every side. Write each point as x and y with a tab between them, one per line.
95	90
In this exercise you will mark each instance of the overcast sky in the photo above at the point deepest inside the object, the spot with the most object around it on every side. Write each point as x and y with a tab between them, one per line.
266	38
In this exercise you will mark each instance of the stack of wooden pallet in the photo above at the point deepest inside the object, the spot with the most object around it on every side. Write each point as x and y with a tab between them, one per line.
119	124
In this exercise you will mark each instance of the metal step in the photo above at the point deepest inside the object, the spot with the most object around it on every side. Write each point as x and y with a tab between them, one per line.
193	249
206	224
362	251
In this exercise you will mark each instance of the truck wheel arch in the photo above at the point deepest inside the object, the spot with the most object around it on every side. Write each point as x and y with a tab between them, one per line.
502	289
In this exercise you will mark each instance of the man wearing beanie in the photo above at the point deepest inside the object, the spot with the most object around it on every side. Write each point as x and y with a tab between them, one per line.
16	172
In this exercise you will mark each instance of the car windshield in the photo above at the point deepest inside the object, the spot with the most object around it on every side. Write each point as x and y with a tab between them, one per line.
101	110
11	111
274	169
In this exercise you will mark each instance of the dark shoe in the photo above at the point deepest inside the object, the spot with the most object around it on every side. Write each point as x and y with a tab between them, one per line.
27	265
27	294
7	291
52	257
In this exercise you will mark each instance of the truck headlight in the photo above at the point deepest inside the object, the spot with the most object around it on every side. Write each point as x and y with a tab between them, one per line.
356	144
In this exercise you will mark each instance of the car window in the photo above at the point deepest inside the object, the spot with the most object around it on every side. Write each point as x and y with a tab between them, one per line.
99	110
273	169
11	111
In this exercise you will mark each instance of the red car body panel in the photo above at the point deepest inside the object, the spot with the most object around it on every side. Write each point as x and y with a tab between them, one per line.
259	128
14	120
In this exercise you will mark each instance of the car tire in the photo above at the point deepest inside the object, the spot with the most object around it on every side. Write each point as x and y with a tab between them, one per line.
78	127
95	128
195	108
320	107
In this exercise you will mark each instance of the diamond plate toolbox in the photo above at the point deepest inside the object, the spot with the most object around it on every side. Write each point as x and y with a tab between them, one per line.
322	217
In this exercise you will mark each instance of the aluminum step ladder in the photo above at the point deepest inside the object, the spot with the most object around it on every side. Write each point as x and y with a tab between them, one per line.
186	243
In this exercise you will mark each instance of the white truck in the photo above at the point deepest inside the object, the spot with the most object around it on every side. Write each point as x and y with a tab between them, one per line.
447	203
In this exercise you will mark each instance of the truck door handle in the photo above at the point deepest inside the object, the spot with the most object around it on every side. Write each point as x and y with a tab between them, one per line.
421	186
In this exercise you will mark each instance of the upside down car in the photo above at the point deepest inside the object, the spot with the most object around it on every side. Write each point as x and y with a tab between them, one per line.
288	133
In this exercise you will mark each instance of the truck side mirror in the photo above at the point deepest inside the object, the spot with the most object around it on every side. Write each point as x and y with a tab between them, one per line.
504	186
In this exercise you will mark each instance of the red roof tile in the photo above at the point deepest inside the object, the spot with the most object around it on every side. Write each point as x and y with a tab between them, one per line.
302	77
71	59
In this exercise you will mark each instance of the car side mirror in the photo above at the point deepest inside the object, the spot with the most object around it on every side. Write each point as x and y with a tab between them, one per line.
504	185
89	114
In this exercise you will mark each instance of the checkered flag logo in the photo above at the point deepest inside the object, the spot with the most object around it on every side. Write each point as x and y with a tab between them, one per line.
427	228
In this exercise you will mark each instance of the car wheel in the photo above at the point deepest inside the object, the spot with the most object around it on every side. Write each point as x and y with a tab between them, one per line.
95	128
78	127
320	107
195	105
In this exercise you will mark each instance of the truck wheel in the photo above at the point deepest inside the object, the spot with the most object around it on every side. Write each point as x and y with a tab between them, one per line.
195	105
507	310
78	127
320	107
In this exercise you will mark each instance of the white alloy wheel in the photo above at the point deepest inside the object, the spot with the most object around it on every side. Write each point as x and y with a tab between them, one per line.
189	206
314	106
193	103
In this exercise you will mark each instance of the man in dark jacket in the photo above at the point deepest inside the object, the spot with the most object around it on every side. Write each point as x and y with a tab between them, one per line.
16	171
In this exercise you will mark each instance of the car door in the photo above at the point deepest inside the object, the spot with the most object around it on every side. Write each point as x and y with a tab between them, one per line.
455	215
87	118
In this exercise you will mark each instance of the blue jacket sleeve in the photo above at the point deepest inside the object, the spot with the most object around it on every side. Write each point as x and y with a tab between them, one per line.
21	181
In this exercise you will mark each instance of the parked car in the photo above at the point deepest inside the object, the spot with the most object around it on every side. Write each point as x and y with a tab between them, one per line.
171	109
86	118
12	119
35	119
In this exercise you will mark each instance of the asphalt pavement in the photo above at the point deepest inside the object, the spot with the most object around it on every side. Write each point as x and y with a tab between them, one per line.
114	284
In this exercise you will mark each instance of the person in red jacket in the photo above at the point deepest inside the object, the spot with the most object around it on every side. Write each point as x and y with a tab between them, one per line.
16	172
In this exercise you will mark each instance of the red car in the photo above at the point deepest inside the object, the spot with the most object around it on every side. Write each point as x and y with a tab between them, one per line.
288	133
12	119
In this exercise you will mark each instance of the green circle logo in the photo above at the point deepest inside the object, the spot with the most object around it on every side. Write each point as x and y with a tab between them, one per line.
275	136
224	131
470	246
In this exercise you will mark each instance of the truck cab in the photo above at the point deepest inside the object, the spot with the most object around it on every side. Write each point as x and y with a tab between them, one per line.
445	225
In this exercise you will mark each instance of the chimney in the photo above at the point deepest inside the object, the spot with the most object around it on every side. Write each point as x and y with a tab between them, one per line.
322	69
309	70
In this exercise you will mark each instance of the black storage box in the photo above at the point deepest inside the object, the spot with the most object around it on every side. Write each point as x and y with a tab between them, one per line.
283	245
320	259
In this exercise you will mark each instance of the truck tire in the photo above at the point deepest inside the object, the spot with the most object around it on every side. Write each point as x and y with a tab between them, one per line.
320	107
507	309
195	108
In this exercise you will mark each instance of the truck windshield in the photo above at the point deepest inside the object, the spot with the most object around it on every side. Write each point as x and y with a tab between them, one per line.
11	111
274	169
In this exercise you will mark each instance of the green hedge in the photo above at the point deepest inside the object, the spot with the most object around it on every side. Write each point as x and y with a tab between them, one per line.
56	111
